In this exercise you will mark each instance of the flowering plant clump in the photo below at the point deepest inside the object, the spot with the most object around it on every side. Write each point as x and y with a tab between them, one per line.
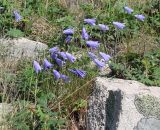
67	70
61	58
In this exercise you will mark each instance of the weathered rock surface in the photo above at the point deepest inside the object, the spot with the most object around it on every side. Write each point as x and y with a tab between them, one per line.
117	104
22	47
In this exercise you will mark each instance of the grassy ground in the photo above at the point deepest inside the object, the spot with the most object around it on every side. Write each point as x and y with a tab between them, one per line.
43	103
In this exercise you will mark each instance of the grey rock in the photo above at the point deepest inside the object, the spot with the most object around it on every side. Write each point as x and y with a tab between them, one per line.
115	104
148	124
22	47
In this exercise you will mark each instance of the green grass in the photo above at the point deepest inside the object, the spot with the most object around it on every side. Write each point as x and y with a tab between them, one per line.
42	103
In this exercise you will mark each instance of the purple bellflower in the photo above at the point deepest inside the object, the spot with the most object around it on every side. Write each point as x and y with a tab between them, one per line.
119	25
140	17
85	35
54	50
78	72
65	78
128	10
18	17
90	21
68	39
92	55
47	64
56	74
53	56
105	56
70	57
37	67
63	55
60	62
69	31
99	63
103	27
92	44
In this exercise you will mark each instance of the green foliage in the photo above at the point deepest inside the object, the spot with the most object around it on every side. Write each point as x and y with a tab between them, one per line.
153	10
29	10
136	67
29	116
15	33
81	103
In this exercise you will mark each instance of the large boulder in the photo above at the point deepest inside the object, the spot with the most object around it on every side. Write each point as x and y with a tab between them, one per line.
117	104
21	47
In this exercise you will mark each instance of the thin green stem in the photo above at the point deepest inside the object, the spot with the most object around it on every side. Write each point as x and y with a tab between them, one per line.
35	92
103	41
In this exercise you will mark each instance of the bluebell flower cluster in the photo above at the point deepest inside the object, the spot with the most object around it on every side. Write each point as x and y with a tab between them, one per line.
85	35
37	67
128	10
91	22
68	32
78	72
47	64
96	58
61	57
140	17
17	16
93	44
103	27
68	39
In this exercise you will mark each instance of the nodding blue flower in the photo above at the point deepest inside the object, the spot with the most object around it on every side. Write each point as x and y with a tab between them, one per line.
92	55
63	55
56	74
65	78
90	21
105	56
17	16
119	25
60	62
54	50
128	10
140	17
78	72
99	63
103	27
85	35
69	31
37	67
92	44
47	64
53	56
70	57
68	39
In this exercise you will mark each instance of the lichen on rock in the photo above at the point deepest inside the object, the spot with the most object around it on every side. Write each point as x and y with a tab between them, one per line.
148	106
